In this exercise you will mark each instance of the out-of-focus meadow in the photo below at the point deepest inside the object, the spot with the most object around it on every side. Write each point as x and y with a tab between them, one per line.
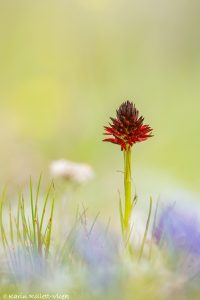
67	65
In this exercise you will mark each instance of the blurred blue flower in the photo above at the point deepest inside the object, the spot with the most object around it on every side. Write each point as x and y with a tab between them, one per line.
177	233
27	265
99	251
179	230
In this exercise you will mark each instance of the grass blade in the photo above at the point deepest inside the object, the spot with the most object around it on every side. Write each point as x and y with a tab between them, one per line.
45	204
48	241
32	211
146	229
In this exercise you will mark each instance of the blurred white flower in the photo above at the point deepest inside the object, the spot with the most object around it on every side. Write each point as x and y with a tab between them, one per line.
68	170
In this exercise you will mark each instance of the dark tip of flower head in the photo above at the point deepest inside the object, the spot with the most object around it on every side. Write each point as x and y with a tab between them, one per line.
127	128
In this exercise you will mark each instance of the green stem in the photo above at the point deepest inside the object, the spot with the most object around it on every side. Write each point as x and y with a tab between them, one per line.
127	191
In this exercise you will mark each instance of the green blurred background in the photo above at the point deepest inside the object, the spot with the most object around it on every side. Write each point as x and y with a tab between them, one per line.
66	65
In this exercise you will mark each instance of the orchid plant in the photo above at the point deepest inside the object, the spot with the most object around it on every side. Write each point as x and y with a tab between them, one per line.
127	129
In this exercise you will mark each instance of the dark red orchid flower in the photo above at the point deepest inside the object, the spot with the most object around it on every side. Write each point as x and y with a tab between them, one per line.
127	127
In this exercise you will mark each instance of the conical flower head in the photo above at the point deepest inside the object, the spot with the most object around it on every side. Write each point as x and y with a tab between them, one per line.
127	127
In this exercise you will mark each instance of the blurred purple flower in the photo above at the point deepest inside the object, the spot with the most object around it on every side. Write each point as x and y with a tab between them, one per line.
179	230
27	265
177	233
99	251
